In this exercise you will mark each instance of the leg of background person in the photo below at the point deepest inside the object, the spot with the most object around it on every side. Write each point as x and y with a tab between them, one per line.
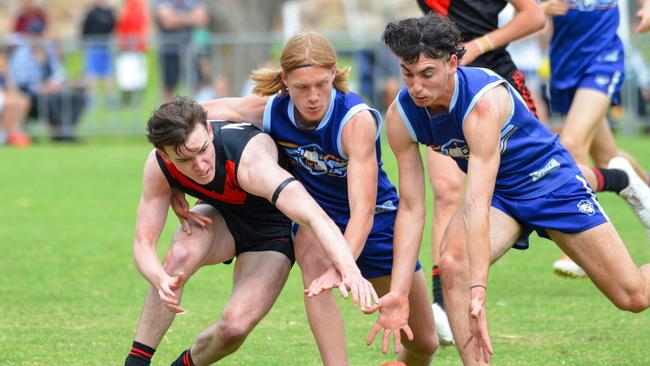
603	149
258	279
601	252
323	313
13	116
187	253
587	110
447	182
454	265
419	351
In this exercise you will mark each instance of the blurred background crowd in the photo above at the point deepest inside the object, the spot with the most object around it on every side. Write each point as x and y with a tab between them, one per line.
100	66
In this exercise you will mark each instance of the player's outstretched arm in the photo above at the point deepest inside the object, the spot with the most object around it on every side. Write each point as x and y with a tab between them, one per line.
482	129
248	109
528	19
259	173
152	213
394	307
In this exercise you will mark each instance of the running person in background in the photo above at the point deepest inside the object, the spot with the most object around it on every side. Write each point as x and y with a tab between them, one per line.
332	139
519	179
485	42
587	72
233	169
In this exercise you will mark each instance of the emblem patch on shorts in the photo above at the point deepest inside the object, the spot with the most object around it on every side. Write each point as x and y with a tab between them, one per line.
586	207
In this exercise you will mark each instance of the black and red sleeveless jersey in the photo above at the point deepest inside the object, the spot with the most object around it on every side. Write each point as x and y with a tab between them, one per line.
253	217
475	18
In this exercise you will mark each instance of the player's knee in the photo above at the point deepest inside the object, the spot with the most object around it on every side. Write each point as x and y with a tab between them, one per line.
576	146
634	301
312	264
451	267
447	193
180	254
423	347
233	328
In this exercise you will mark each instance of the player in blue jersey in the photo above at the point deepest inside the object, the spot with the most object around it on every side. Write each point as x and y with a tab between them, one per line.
332	139
587	72
234	170
519	179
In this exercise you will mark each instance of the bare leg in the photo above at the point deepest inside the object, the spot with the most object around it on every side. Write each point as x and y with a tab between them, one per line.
601	252
257	281
455	269
446	180
323	314
419	351
187	254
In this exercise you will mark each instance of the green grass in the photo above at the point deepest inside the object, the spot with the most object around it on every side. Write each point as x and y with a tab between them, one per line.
69	292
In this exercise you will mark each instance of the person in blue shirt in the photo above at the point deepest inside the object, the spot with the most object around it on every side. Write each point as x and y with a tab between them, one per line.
332	140
519	180
587	73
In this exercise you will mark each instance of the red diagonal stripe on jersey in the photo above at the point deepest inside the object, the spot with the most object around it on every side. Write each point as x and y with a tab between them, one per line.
439	6
231	191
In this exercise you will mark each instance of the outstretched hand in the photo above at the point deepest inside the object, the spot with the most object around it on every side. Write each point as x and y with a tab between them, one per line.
393	318
478	326
181	208
363	294
167	295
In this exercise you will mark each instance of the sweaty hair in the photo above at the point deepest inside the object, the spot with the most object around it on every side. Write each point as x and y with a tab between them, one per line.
170	123
432	35
302	50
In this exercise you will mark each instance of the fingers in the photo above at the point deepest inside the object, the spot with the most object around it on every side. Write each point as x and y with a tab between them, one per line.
409	332
174	308
185	224
373	333
167	296
344	290
398	341
371	309
354	288
385	340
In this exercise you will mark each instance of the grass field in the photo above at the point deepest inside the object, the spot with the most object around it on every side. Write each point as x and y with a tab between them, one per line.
70	293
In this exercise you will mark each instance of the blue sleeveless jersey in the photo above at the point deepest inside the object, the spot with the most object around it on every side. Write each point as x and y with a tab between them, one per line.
317	155
533	162
585	36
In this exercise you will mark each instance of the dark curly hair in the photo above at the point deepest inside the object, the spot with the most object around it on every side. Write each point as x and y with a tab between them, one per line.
432	35
170	123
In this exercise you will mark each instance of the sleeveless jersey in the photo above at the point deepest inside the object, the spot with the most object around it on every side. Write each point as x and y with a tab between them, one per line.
259	218
476	18
583	37
533	162
317	155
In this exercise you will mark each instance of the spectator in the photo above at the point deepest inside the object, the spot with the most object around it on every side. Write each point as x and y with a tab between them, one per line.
36	70
97	28
131	63
176	20
27	14
14	106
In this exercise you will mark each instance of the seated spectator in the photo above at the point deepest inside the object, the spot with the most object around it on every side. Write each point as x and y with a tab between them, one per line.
36	70
14	106
28	13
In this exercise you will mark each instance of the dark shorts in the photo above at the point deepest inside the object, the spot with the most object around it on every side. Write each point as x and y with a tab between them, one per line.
256	237
572	208
170	62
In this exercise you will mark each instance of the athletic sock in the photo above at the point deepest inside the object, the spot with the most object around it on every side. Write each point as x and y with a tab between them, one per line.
140	355
185	359
437	287
610	180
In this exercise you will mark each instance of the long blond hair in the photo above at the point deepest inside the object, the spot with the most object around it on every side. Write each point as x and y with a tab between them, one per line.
303	49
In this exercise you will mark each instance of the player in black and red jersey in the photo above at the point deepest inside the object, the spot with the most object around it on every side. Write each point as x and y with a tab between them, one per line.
232	168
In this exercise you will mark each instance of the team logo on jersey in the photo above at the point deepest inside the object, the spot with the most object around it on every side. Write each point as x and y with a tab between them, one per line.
586	207
589	5
602	80
312	158
385	207
454	148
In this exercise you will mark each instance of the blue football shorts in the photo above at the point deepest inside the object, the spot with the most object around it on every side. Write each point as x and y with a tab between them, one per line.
376	258
572	208
603	75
